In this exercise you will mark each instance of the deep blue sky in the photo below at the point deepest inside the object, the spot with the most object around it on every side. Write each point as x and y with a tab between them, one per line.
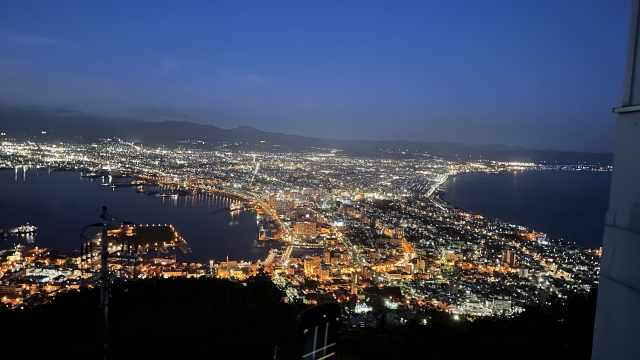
541	74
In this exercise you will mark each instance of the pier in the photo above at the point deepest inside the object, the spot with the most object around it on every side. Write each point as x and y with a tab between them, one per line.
145	237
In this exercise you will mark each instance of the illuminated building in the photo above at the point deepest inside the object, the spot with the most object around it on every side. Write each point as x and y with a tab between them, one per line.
282	206
509	257
305	228
398	232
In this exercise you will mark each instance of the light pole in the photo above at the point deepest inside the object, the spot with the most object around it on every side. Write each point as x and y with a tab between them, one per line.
86	249
104	278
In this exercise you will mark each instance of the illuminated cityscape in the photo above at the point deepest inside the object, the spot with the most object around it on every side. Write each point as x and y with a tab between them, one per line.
320	180
353	229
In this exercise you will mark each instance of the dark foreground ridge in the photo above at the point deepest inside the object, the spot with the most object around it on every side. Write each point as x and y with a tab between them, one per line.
563	330
22	124
209	318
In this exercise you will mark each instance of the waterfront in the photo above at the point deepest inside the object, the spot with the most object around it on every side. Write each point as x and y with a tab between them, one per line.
59	203
564	204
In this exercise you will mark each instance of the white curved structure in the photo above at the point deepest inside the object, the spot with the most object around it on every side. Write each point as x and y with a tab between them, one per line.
617	327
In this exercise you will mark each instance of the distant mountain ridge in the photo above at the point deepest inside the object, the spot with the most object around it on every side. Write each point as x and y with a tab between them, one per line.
25	124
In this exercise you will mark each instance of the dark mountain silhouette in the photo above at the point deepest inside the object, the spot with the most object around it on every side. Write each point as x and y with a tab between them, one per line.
22	124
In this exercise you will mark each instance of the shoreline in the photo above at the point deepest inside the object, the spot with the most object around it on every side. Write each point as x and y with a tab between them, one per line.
441	193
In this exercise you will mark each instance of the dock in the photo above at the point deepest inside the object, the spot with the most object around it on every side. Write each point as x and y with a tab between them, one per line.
146	237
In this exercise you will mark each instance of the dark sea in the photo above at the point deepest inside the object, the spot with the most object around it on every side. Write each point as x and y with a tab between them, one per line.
563	204
60	203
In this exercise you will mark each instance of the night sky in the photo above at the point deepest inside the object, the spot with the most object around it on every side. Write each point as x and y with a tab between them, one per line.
541	74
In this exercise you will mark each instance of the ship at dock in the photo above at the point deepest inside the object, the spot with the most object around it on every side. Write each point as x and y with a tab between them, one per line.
170	194
115	184
22	229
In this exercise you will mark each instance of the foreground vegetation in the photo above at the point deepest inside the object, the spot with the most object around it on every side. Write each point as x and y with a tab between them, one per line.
563	330
211	318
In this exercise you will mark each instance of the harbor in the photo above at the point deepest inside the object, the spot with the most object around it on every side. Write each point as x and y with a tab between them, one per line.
60	203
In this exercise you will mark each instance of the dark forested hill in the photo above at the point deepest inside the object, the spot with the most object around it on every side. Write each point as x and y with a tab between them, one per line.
209	318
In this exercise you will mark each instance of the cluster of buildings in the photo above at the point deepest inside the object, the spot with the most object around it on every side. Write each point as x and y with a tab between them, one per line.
33	276
356	230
